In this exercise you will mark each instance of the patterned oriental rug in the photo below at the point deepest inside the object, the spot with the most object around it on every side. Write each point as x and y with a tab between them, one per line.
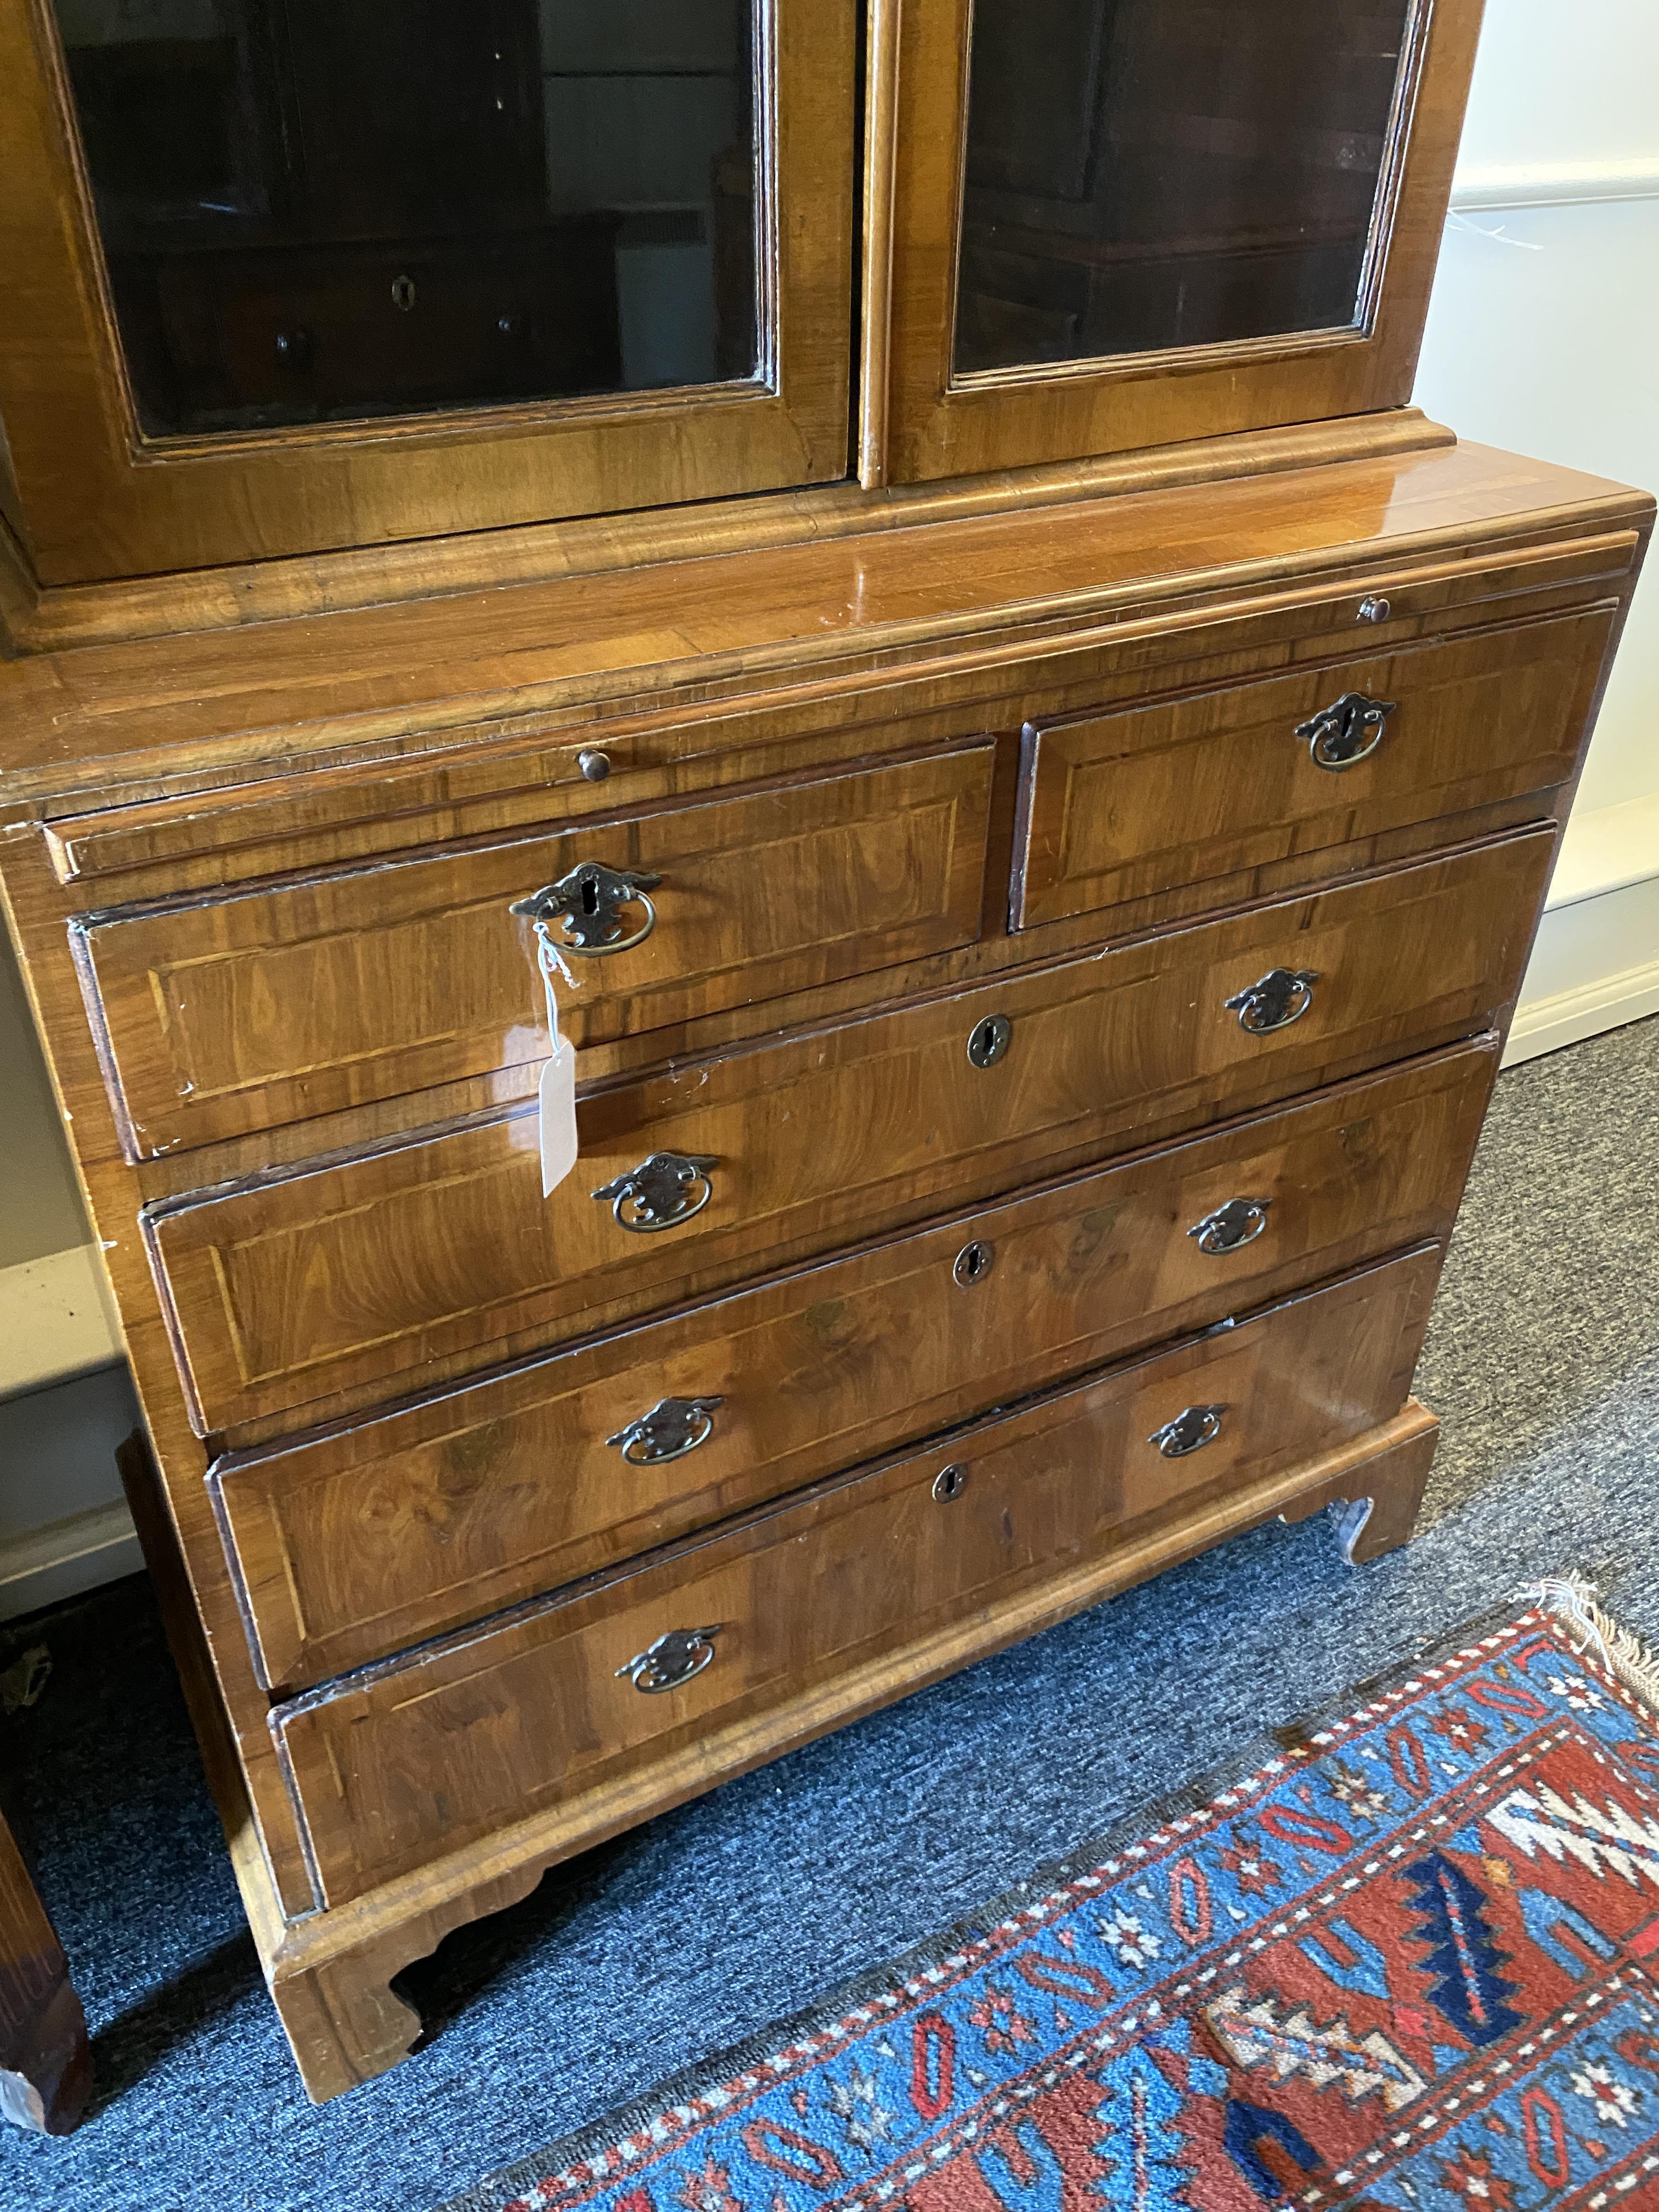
1405	1960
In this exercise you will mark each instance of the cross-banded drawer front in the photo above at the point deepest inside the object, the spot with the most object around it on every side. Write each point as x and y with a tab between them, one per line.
420	1756
355	1545
292	999
1122	805
360	1273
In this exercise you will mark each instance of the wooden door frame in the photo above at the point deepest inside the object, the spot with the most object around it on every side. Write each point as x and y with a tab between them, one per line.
90	498
920	421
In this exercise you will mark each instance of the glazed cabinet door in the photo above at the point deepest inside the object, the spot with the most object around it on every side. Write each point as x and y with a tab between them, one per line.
1098	225
283	276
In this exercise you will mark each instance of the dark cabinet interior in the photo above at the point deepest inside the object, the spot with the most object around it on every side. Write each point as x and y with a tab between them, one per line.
1151	174
311	212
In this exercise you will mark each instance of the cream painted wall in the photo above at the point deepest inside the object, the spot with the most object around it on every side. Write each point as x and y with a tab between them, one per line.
1543	330
1559	83
1543	335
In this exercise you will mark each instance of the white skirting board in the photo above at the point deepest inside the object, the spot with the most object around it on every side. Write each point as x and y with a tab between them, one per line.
66	1403
1595	965
1607	1003
63	1523
46	1565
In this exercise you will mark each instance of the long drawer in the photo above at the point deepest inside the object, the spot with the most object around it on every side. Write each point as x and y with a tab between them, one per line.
225	1014
356	1273
1121	804
422	1754
351	1546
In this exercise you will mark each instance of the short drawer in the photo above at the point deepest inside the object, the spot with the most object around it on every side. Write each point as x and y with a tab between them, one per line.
243	1011
357	1273
421	1755
1119	806
352	1546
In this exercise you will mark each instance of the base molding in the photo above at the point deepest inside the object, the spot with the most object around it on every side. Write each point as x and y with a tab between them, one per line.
64	1558
1595	964
331	1973
1605	1002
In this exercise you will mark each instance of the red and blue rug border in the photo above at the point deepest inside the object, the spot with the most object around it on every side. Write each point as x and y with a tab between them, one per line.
631	2142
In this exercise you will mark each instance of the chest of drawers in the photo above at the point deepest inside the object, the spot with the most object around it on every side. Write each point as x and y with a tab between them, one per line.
1049	1014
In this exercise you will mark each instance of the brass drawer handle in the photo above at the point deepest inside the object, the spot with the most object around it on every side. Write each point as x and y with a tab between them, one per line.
671	1660
1189	1431
1345	732
1232	1226
586	902
673	1427
657	1194
1281	997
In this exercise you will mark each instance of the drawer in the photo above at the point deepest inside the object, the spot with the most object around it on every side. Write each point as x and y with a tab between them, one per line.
351	1546
423	1755
1119	806
356	1273
331	817
242	1012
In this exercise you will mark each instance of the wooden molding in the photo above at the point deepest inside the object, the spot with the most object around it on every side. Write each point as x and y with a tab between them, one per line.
880	179
38	618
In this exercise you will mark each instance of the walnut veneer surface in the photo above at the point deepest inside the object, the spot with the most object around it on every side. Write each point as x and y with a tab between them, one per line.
373	1535
1218	815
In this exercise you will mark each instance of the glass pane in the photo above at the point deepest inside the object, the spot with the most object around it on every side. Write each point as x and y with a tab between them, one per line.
321	210
1146	173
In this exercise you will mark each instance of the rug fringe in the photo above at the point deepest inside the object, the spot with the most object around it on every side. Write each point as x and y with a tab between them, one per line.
1573	1600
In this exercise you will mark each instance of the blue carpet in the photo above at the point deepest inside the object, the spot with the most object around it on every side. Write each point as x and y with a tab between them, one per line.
692	1934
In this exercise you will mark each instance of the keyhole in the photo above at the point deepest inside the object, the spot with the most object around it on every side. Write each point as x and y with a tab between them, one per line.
590	897
950	1482
987	1040
973	1262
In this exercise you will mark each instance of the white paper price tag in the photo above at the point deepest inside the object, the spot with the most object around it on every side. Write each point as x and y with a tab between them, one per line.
556	1095
556	1102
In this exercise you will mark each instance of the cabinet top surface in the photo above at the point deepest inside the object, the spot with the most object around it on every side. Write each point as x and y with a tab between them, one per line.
133	719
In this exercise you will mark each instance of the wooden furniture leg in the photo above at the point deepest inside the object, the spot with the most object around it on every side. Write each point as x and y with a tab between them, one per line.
1380	1489
1387	1518
46	2064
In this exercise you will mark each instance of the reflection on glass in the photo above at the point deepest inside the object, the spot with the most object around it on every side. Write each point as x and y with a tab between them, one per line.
318	211
1147	173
